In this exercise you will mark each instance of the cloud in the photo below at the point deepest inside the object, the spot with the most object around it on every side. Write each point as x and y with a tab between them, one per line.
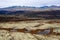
5	3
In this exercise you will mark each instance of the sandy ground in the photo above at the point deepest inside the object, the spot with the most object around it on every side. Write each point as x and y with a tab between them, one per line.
30	25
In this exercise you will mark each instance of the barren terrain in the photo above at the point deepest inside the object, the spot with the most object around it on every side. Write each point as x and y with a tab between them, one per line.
30	26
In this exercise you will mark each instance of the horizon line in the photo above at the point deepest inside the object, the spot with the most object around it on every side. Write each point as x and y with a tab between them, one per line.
29	6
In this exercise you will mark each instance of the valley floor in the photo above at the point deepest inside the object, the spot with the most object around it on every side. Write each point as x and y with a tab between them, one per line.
29	25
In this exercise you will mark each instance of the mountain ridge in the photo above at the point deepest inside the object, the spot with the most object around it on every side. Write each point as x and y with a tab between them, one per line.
25	13
28	8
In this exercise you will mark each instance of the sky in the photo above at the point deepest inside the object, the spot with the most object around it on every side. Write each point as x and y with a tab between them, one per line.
34	3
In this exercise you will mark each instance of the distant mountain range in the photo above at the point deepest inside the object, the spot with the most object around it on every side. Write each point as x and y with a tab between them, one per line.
53	6
21	13
27	8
